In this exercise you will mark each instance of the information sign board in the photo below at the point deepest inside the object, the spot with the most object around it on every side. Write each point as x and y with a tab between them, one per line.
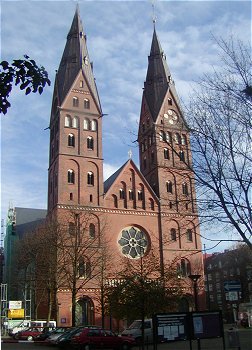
16	313
207	325
170	327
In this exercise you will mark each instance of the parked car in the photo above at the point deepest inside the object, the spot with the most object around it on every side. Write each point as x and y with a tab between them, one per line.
65	338
52	339
28	334
45	334
92	337
135	331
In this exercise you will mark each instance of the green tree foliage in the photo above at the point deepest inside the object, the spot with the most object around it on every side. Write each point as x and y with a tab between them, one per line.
25	73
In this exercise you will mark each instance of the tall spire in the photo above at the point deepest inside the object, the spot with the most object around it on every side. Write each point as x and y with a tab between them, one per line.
158	79
75	58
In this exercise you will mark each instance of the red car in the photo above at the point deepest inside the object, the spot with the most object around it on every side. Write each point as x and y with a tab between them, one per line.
28	333
96	338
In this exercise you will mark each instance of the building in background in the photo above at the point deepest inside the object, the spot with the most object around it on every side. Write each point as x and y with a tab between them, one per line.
228	281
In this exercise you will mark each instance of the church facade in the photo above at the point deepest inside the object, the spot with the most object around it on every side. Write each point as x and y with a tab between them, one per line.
135	210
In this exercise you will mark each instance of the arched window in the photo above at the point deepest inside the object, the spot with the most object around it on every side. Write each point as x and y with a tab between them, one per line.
75	122
169	186
183	269
182	156
151	204
168	137
81	84
169	101
166	153
93	125
162	136
185	188
90	178
90	142
140	195
131	195
92	231
70	176
189	235
86	103
71	228
71	140
86	124
84	268
177	138
121	194
75	101
115	201
183	139
173	234
68	121
71	196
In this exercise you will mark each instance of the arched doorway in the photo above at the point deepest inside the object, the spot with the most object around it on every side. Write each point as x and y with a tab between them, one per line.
84	314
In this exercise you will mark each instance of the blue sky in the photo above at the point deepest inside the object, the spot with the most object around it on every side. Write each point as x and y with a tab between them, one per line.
119	36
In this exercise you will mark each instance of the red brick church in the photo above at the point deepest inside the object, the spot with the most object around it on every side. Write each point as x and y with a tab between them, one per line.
153	207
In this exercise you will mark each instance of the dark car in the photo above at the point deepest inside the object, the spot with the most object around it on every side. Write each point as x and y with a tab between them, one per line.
45	334
96	338
28	333
65	338
53	337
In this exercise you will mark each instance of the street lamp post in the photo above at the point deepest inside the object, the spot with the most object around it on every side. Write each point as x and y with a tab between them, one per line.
195	279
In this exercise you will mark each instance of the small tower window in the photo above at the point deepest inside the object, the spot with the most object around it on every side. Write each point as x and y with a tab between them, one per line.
86	103
75	122
185	189
168	137
173	234
169	101
144	163
183	140
177	138
90	178
92	231
86	124
70	176
162	135
143	127
93	125
189	235
151	204
81	83
71	196
71	140
115	201
169	186
68	121
166	153
75	101
84	268
91	198
90	142
182	156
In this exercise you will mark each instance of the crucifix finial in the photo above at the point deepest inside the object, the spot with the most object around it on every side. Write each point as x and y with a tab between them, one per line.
154	17
130	154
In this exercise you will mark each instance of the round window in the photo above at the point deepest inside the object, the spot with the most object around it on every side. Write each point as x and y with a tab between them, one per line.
133	242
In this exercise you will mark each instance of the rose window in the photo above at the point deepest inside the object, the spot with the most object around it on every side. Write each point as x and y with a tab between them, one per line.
133	242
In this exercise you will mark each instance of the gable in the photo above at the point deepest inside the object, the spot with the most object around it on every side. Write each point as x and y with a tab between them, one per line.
127	188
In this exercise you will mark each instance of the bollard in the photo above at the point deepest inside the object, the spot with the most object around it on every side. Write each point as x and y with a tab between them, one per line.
233	338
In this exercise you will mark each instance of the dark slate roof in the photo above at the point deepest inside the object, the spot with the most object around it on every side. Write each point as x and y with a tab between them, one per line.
108	183
75	58
158	78
27	219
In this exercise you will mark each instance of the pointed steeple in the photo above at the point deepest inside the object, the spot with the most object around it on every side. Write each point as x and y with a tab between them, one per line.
75	58
158	79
